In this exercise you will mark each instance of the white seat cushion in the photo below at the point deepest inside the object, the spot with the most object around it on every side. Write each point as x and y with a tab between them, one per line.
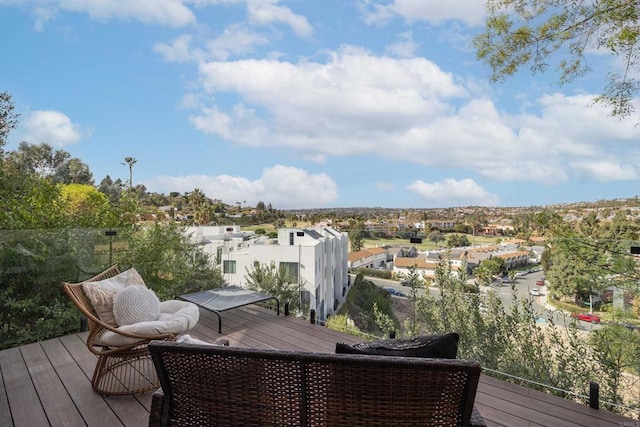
175	317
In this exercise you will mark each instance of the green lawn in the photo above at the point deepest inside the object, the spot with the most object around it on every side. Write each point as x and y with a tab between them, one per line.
426	244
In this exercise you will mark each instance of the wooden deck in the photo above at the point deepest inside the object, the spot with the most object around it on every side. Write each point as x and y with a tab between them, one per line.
48	383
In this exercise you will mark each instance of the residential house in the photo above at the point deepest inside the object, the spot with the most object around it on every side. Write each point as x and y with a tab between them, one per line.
315	257
425	267
368	258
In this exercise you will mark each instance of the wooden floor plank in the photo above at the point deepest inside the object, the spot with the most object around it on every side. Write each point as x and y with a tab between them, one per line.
546	409
24	404
94	410
127	409
5	413
496	418
59	407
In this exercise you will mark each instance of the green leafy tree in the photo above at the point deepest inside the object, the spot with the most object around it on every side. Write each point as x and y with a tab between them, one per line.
167	260
43	161
8	118
457	240
358	306
112	189
535	32
276	281
435	237
85	205
356	238
416	283
483	274
73	171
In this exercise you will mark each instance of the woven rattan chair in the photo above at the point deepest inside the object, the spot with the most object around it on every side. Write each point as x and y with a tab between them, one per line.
205	385
120	369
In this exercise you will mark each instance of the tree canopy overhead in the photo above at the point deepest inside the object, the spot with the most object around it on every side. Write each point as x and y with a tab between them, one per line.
533	32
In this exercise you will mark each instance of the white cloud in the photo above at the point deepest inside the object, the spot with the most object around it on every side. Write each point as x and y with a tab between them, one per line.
451	192
52	127
435	11
385	186
178	51
607	171
408	110
235	40
267	12
43	15
283	186
405	47
172	13
343	107
471	12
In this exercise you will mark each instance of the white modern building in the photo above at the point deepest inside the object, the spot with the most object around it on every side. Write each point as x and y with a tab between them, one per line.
315	257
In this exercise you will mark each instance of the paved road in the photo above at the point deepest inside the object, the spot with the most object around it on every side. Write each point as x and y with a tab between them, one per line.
545	311
523	286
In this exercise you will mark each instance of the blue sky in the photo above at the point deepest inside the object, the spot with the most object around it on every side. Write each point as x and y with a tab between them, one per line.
307	103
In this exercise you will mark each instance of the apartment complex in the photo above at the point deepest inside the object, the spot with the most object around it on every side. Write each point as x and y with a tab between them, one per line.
315	257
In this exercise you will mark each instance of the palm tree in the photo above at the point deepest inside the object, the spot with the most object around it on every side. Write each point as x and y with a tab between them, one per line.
130	161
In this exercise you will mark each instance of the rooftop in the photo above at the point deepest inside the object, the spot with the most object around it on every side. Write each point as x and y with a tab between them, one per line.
48	383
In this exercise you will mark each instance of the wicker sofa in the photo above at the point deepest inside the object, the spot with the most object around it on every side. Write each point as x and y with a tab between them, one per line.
210	385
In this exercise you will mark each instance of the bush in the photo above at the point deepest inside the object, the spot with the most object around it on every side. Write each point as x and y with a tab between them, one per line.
372	272
359	305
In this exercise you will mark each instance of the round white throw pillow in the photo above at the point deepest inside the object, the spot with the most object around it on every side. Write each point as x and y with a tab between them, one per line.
135	304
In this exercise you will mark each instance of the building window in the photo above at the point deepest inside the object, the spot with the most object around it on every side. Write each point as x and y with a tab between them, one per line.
229	267
292	270
290	239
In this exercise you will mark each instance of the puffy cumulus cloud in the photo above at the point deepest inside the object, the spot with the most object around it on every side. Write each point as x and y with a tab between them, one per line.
346	106
408	110
284	187
235	40
450	192
606	171
471	12
52	127
268	11
172	13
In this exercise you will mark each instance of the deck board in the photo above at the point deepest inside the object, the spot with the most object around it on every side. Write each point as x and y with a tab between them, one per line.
90	406
48	383
55	401
24	403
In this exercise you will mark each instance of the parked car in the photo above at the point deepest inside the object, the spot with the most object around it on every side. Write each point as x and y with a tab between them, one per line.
586	317
540	282
405	282
535	292
395	292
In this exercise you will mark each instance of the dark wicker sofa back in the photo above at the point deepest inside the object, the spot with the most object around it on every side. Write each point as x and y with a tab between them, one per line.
207	385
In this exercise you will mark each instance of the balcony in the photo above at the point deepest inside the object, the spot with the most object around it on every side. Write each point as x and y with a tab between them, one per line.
48	382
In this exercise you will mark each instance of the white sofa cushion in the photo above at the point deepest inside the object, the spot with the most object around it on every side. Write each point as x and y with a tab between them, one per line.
102	292
175	317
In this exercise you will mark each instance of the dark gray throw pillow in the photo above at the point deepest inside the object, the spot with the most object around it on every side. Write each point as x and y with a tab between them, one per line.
431	346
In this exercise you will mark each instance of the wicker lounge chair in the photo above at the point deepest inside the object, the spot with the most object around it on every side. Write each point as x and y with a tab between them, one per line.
124	365
205	385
